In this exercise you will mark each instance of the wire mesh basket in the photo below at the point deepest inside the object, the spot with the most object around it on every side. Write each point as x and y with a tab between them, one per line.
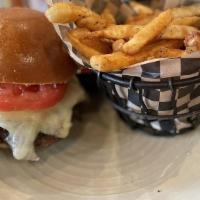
173	123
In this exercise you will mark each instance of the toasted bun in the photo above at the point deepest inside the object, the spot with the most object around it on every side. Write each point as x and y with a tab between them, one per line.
31	52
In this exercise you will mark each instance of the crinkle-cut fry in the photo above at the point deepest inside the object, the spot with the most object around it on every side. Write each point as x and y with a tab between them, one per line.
116	32
140	8
93	23
187	21
178	32
70	12
117	45
83	49
119	60
95	43
186	11
148	33
108	16
67	12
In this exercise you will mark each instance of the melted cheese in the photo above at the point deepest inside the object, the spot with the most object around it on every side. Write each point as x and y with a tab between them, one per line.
25	126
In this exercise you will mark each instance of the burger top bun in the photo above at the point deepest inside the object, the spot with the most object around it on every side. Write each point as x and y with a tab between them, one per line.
31	52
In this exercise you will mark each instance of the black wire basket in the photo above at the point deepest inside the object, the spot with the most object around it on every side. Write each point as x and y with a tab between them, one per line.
166	124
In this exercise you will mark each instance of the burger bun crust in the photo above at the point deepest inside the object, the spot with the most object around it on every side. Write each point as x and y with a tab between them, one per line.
31	52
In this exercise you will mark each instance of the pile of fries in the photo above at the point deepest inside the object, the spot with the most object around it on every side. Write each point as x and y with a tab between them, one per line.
148	35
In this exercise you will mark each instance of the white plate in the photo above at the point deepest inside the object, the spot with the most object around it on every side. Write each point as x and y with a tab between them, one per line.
103	159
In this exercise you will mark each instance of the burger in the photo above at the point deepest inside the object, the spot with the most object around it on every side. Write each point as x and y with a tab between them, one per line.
37	88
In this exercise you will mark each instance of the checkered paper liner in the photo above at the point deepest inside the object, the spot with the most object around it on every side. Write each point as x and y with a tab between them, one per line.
158	101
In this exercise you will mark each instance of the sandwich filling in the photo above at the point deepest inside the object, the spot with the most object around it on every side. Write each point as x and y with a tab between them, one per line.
24	126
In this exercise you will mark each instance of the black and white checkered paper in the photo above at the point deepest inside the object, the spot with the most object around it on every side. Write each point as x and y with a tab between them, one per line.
158	101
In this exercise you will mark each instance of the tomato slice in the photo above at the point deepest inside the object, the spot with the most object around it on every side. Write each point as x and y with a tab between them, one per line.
15	97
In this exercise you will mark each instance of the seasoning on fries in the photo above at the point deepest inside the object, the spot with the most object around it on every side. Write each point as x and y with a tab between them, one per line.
69	12
127	31
95	43
147	35
178	32
116	32
119	60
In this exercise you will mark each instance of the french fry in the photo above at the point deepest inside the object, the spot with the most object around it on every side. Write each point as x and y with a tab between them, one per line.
108	41
178	32
151	34
187	21
95	43
142	19
148	33
119	60
140	8
186	11
114	61
168	53
80	32
117	45
70	12
116	32
67	12
108	16
83	49
93	23
170	44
